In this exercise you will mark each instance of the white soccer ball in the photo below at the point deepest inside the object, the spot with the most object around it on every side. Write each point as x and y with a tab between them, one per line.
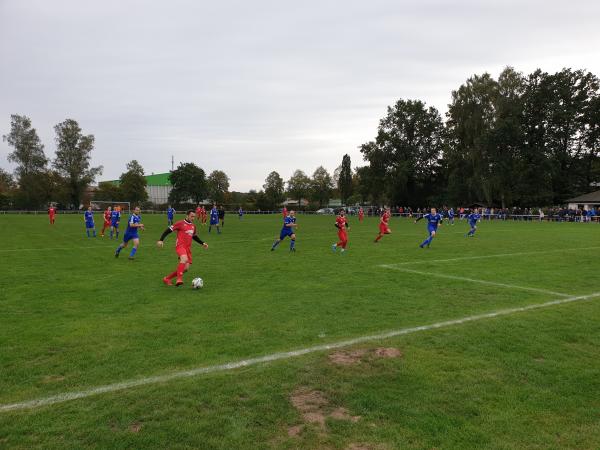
197	283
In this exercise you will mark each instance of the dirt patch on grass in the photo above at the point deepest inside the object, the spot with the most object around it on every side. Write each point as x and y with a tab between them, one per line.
363	447
52	378
135	427
389	352
316	409
343	414
347	357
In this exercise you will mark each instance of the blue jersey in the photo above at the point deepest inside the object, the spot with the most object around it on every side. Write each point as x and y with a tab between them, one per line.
89	217
287	230
133	219
170	213
451	213
115	216
473	218
433	220
214	216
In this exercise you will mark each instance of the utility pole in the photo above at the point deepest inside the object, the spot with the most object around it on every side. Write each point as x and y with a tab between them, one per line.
172	163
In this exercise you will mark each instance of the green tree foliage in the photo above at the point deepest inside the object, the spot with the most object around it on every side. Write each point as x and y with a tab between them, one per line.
132	184
299	186
72	162
189	183
7	186
28	154
109	191
405	155
344	183
218	185
321	186
274	190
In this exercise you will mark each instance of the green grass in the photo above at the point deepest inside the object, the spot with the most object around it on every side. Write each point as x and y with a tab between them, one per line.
72	317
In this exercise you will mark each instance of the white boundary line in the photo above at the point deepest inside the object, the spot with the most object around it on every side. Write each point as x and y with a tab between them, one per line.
68	396
497	255
473	280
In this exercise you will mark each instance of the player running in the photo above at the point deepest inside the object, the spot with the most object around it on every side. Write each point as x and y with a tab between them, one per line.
131	233
214	219
115	220
473	218
51	214
433	220
361	214
383	224
88	218
186	233
451	216
289	223
199	212
106	225
341	223
170	215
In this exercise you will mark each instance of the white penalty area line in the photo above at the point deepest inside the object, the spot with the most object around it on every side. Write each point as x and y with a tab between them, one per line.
497	255
68	396
473	280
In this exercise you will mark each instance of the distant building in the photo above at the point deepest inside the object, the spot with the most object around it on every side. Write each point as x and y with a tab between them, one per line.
294	202
158	187
585	201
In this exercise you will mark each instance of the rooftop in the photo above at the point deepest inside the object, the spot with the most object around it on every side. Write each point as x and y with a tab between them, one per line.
593	197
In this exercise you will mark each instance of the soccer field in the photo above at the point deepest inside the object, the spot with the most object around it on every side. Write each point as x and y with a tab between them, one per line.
486	342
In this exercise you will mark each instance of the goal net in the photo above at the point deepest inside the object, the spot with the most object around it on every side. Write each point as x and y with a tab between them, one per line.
101	205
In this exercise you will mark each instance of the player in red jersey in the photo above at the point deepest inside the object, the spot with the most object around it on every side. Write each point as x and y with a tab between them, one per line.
51	214
106	225
383	224
198	213
341	224
284	211
186	233
203	215
361	214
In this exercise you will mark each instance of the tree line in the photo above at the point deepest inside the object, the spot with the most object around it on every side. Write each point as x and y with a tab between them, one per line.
518	140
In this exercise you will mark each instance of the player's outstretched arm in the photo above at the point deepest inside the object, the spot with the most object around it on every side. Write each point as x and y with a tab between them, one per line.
200	241
163	236
418	218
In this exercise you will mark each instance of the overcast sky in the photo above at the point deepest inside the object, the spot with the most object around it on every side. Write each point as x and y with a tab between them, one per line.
254	86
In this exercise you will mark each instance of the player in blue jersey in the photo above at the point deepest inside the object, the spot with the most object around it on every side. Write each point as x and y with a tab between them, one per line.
289	224
131	233
433	221
214	219
115	219
170	215
88	217
241	213
451	216
473	218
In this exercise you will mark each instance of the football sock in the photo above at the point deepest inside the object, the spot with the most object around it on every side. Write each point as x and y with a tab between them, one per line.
171	275
111	233
88	233
119	248
180	269
275	244
132	253
292	244
94	233
378	237
209	228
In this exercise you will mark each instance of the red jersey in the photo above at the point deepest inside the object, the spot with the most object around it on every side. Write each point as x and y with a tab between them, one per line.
284	211
385	218
340	222
185	233
107	215
198	211
51	211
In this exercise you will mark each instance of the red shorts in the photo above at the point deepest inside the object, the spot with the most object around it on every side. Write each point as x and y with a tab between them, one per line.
383	228
342	236
184	251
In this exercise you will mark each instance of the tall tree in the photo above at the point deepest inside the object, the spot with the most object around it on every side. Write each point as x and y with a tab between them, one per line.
72	162
345	179
407	150
31	161
132	183
109	191
218	185
321	186
274	190
7	186
189	183
299	186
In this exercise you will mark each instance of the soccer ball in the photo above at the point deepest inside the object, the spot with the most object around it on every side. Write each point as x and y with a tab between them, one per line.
197	283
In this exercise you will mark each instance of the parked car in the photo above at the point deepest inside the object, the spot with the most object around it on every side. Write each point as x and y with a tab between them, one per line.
325	211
